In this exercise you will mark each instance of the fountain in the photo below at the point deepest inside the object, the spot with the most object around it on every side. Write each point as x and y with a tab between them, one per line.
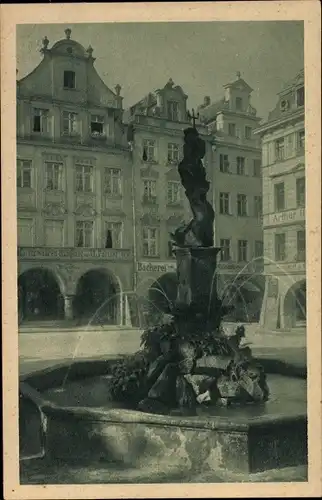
154	408
161	379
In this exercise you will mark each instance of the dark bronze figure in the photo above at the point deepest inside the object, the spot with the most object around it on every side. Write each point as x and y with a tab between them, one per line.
199	232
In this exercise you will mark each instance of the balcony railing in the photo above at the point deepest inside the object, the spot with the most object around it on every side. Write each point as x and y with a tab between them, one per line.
44	253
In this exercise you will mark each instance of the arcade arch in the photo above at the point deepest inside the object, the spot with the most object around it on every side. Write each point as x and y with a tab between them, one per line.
245	294
39	295
98	298
295	305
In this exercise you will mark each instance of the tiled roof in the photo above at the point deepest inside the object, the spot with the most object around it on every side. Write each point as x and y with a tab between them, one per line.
208	113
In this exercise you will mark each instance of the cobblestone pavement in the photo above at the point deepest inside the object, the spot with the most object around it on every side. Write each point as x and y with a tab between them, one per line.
41	471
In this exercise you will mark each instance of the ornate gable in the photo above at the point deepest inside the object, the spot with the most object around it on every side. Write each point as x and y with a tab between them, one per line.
239	84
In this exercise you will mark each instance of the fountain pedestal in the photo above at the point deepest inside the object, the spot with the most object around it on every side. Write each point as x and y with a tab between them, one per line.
197	287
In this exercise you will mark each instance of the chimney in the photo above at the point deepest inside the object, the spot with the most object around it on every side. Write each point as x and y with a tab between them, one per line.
206	100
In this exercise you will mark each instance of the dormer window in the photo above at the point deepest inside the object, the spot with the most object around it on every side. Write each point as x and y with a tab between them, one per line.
97	125
239	104
69	79
300	97
173	111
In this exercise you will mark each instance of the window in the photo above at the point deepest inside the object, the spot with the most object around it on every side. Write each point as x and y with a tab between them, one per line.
280	247
84	234
70	124
224	164
150	241
257	168
174	192
69	79
24	179
240	165
113	235
258	206
224	207
301	245
40	121
225	249
279	197
54	177
54	233
271	153
300	192
259	249
149	150
241	205
289	146
25	232
300	97
232	129
301	141
173	111
242	250
265	160
113	181
279	149
84	178
173	152
239	104
97	125
248	132
149	191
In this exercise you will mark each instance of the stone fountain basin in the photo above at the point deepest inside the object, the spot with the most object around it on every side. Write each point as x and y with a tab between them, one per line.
82	423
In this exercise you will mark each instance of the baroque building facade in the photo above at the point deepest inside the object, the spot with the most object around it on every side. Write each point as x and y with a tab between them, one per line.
237	196
73	183
283	157
155	134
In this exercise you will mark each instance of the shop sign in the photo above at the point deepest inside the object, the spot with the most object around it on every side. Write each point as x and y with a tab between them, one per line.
157	267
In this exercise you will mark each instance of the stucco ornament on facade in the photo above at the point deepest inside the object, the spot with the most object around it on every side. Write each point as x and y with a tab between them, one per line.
54	209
